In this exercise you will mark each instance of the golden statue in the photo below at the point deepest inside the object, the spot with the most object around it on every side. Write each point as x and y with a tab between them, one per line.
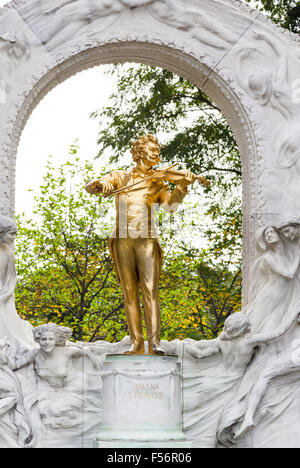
134	245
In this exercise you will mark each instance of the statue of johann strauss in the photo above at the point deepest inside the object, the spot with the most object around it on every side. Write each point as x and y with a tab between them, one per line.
134	245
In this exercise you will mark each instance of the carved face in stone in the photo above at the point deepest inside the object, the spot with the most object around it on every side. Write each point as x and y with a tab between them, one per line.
8	237
8	230
271	236
47	341
290	232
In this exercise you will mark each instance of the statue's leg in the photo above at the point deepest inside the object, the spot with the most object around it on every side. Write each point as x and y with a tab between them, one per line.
148	261
127	268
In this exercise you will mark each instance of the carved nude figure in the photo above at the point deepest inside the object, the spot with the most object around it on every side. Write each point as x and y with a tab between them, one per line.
222	366
236	343
11	324
53	362
286	363
203	28
273	280
267	87
64	20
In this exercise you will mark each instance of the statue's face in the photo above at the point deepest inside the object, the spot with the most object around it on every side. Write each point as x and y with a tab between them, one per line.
47	342
151	153
271	236
8	237
289	232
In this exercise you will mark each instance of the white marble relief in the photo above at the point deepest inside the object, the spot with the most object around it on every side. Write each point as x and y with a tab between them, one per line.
14	49
15	422
11	324
58	388
209	392
273	279
251	67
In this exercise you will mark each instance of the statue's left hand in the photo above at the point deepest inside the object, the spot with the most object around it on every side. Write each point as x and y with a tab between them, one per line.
188	179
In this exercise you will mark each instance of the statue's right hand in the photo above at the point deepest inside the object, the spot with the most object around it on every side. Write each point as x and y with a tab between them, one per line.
98	186
107	188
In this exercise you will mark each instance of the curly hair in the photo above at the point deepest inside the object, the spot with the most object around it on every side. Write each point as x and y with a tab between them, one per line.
61	334
138	145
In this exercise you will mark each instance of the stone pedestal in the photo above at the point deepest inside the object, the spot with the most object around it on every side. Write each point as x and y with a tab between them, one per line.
142	402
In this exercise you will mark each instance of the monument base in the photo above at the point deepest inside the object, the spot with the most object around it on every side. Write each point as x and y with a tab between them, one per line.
142	403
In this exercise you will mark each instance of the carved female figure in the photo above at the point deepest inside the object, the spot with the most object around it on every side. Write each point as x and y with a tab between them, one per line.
11	324
284	364
224	362
53	362
267	87
273	280
236	344
64	20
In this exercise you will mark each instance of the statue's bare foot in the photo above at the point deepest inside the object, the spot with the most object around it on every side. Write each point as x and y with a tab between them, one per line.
246	425
136	349
156	350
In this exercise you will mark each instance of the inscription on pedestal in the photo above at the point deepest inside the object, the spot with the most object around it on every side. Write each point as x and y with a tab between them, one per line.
141	399
148	391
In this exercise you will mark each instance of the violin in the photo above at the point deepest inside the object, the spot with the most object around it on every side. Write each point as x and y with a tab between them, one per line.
168	174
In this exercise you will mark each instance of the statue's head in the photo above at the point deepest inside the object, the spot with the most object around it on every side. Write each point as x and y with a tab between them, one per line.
290	230
146	148
50	335
271	235
266	238
8	230
236	325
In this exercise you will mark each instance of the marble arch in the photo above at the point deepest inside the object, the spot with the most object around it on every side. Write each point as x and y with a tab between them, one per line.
246	64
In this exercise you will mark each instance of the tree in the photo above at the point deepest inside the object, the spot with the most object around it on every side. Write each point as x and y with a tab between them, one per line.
65	269
67	277
196	296
283	12
155	100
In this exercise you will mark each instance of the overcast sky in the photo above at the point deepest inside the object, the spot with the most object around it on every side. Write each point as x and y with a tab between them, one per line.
60	119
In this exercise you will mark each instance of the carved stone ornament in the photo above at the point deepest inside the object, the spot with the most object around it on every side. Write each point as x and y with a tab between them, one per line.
250	69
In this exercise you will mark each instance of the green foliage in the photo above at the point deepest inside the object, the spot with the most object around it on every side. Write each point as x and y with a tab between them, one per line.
66	274
195	134
197	296
65	270
284	12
